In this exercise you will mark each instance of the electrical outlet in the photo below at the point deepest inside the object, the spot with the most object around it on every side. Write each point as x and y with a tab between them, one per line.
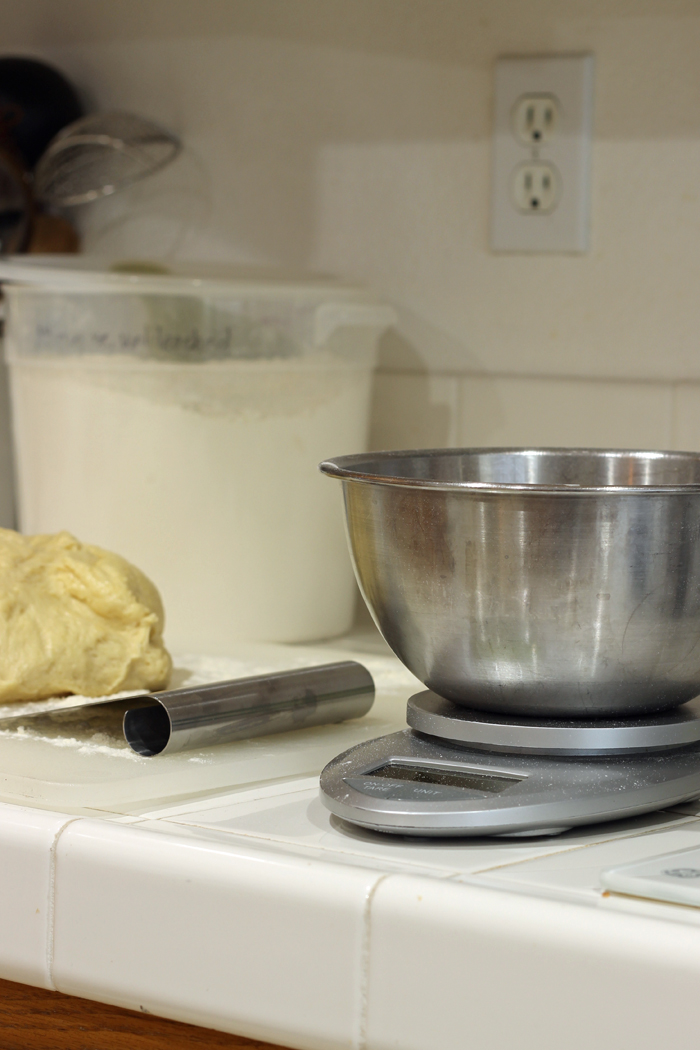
535	119
541	154
535	189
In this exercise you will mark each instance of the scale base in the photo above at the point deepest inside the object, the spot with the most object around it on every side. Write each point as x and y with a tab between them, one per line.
434	716
410	784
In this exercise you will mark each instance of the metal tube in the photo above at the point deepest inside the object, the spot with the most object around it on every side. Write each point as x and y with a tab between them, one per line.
184	719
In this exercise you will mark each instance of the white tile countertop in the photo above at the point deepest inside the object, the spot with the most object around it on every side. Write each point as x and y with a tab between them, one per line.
246	907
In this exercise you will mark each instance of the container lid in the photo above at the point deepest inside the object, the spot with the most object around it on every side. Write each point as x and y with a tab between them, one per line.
85	273
180	311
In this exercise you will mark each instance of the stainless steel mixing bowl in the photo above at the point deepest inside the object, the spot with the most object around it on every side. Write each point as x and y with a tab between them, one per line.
542	582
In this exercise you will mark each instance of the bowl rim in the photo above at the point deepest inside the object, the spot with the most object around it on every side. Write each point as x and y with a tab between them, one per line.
350	468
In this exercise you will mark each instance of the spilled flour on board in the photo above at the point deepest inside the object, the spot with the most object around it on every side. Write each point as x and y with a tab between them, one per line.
60	722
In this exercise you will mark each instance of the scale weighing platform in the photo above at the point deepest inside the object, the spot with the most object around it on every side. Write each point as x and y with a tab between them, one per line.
462	772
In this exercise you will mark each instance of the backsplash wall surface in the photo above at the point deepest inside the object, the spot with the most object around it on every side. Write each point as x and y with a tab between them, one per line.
355	138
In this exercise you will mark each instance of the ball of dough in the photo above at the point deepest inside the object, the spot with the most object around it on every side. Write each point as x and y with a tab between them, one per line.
75	619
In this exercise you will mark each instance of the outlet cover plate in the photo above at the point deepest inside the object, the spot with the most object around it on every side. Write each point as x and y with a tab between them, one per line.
569	80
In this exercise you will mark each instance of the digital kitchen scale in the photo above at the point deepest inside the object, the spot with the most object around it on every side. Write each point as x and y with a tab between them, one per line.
462	772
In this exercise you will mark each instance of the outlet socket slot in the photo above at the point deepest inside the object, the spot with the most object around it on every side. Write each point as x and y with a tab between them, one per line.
535	119
536	188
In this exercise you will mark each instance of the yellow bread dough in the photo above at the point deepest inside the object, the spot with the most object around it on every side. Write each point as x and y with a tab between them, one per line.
75	619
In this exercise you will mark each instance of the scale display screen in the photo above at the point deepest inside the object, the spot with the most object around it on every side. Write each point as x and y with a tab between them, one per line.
468	779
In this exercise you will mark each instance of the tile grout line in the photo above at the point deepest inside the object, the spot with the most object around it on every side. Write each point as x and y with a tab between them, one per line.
364	962
52	901
458	412
674	415
582	846
547	376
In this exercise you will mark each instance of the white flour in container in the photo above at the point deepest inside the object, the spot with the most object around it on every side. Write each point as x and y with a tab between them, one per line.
203	475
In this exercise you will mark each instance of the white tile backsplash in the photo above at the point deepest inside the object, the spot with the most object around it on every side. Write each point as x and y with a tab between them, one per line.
562	412
687	416
355	139
381	126
414	411
210	934
432	411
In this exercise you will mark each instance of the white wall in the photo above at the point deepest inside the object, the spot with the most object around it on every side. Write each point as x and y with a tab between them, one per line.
352	136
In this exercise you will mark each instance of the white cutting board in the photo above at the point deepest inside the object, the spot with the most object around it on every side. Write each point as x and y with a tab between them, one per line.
91	770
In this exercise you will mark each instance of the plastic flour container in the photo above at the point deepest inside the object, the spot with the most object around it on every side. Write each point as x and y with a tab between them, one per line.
180	421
